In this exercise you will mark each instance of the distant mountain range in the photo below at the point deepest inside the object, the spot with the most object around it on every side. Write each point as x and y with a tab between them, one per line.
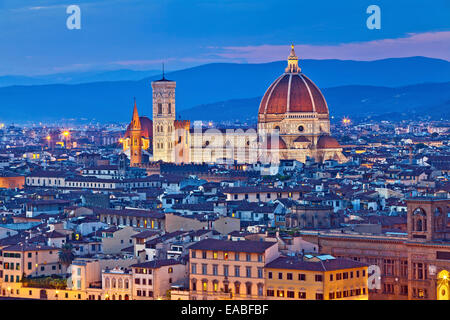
391	85
76	77
354	101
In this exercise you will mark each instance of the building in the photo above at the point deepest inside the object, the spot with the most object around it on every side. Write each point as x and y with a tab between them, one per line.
293	124
316	278
152	280
222	269
412	266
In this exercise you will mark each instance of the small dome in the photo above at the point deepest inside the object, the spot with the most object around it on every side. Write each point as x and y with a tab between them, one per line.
327	142
146	127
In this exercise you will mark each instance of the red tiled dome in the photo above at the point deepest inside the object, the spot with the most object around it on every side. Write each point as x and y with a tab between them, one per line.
293	92
327	142
146	127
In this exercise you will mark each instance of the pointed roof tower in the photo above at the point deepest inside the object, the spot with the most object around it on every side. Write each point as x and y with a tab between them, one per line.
136	122
292	62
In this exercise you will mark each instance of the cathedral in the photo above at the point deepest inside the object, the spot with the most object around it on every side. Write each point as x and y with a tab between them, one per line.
293	123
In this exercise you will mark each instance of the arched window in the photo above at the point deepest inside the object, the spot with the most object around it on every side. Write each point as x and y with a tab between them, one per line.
120	283
107	283
419	220
114	283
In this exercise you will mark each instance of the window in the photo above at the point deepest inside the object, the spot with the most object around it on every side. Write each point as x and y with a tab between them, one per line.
280	293
404	268
404	290
270	293
260	258
204	269
269	275
388	288
260	272
215	270
318	278
280	275
248	272
236	256
302	295
319	296
301	277
215	255
193	254
237	271
290	294
204	254
345	275
249	257
225	255
225	271
194	268
331	296
331	277
289	276
388	267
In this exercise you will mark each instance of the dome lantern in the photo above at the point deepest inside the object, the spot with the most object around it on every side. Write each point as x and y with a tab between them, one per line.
292	62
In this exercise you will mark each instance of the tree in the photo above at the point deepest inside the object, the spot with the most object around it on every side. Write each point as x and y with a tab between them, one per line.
66	255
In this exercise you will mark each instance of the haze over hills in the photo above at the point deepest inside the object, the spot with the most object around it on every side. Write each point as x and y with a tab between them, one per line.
351	86
76	77
354	101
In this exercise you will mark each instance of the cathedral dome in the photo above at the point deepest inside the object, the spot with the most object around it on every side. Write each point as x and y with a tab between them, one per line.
293	92
327	142
146	127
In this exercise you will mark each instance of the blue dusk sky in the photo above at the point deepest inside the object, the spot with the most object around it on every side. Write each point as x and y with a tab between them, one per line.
141	34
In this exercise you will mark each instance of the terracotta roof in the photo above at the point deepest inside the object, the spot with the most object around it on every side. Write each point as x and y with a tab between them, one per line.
233	246
156	263
293	93
327	142
295	263
146	127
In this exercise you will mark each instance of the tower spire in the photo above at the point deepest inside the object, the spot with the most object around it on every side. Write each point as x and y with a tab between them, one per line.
292	62
135	121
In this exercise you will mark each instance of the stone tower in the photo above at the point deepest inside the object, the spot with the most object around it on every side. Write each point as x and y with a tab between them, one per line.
136	139
163	119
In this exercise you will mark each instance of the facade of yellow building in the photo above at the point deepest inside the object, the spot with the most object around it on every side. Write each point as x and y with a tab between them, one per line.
316	278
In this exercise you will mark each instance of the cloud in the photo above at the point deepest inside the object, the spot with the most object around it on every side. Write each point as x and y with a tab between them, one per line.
428	44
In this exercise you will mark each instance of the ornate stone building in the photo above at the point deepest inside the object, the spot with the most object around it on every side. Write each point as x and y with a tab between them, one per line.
293	123
414	266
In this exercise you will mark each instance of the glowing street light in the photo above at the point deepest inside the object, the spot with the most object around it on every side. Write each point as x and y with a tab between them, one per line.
346	121
66	133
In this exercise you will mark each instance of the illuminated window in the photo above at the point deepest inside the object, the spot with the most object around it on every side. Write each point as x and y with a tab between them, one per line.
225	255
215	255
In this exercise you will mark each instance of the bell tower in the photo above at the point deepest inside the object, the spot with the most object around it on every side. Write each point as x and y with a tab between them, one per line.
163	119
136	139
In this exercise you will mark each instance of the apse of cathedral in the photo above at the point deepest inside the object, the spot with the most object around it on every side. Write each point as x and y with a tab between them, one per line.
293	123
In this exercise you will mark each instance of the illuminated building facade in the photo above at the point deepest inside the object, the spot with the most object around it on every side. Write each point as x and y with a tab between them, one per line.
293	123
